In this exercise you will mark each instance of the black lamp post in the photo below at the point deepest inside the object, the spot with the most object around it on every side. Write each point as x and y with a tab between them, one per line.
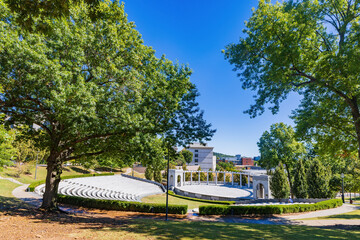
167	184
342	196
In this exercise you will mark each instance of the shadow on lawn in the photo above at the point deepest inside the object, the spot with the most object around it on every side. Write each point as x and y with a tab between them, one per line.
154	226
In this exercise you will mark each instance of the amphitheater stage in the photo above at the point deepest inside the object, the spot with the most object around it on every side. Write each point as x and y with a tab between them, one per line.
216	192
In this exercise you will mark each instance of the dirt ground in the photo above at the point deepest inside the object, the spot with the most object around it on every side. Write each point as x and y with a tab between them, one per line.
30	223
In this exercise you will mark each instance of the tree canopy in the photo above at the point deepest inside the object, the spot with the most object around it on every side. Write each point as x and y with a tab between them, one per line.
280	145
92	88
312	48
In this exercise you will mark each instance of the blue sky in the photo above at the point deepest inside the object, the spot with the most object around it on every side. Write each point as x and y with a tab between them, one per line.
194	33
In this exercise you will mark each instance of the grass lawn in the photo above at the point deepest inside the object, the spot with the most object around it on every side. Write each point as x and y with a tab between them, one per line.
155	229
11	172
6	187
161	198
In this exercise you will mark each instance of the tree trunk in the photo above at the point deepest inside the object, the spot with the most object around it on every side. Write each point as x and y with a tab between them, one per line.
356	119
54	170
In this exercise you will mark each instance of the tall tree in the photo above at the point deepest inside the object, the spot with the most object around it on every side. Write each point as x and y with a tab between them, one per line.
300	183
318	178
311	48
280	145
279	185
187	155
93	87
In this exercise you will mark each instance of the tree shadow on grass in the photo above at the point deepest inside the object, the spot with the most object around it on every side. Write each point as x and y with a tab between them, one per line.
79	170
102	223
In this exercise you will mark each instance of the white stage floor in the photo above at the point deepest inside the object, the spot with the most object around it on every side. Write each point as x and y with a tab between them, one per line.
226	191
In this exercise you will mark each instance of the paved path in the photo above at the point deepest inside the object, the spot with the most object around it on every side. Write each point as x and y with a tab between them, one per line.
11	180
322	213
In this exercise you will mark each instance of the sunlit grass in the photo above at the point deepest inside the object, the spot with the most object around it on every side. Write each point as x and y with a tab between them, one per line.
12	172
6	187
161	198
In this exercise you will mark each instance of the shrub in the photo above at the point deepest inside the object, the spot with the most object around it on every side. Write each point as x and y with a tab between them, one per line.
268	209
32	186
122	205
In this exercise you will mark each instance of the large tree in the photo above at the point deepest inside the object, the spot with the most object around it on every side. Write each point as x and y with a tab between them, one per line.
280	145
278	183
92	88
309	47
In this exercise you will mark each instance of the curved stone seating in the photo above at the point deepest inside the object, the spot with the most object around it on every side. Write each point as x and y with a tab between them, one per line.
114	187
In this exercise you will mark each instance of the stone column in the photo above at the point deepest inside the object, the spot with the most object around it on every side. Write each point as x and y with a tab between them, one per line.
207	177
215	178
199	176
191	178
232	178
224	177
249	180
240	180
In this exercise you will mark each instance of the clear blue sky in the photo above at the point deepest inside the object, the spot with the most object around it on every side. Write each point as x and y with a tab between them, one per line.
194	33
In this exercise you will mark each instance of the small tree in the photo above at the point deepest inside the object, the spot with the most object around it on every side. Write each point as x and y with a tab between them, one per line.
187	155
202	175
279	185
300	183
318	180
149	173
157	176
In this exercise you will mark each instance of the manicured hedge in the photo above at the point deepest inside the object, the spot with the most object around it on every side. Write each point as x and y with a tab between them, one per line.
32	186
268	209
202	200
122	205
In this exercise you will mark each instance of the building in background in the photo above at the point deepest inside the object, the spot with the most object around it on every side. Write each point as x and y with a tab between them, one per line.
246	161
202	156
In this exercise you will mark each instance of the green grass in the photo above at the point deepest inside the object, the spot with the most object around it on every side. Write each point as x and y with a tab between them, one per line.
11	172
161	198
155	229
6	187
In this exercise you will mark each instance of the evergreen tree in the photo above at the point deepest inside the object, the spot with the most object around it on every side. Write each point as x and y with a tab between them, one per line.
157	176
279	185
202	175
318	180
300	183
149	173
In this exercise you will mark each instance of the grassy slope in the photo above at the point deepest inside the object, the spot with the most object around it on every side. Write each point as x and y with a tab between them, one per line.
10	172
147	229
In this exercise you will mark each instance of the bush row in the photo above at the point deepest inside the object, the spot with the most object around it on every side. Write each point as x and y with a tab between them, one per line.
268	209
122	205
202	200
32	186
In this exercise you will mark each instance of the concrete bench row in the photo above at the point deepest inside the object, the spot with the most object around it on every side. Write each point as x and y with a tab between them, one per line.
67	187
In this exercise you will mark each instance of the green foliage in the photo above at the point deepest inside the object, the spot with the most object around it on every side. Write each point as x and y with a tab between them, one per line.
122	205
33	185
280	145
318	178
7	150
202	175
149	174
278	184
221	155
300	183
157	176
187	155
307	47
268	209
201	200
93	88
226	166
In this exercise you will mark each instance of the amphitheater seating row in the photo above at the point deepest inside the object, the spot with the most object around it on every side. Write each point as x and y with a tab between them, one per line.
70	188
